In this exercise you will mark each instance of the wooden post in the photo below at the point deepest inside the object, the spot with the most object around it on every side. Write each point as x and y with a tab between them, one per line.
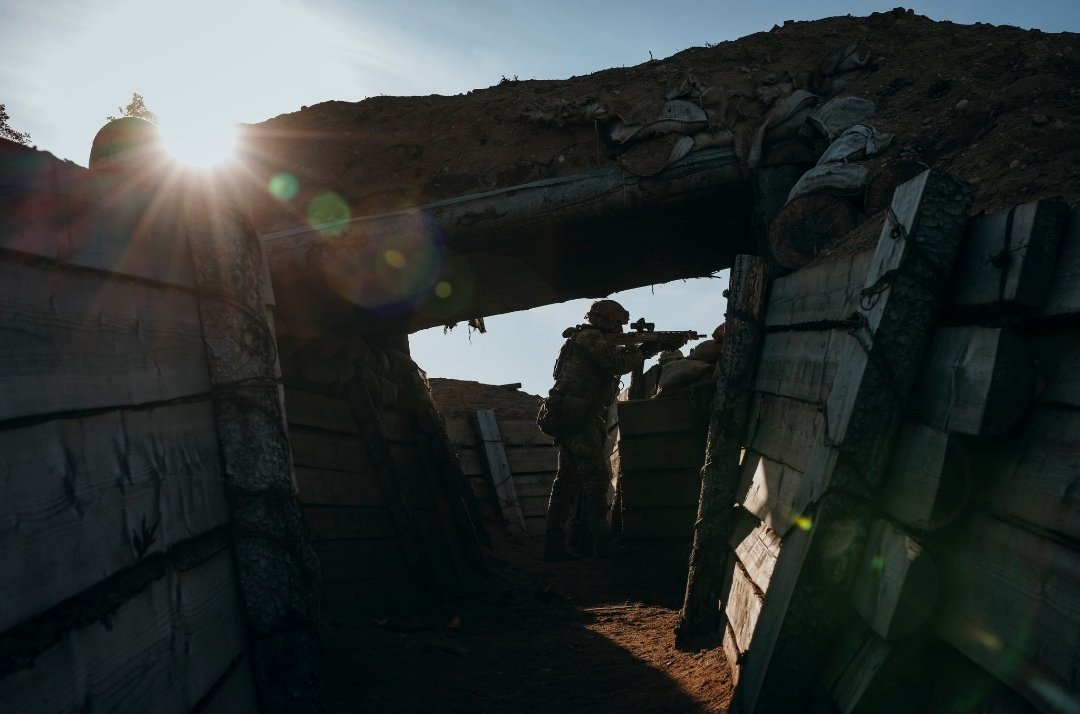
727	427
498	468
277	568
906	287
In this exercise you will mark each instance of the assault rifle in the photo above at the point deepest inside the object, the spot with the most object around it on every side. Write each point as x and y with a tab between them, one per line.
645	333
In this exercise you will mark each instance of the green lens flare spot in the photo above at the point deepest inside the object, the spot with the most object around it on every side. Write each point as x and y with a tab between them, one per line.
328	213
804	523
443	289
394	258
878	563
284	186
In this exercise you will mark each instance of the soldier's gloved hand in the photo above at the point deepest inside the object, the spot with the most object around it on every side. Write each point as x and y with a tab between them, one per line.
649	350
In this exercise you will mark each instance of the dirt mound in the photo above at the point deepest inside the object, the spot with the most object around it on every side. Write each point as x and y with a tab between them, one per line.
997	105
461	398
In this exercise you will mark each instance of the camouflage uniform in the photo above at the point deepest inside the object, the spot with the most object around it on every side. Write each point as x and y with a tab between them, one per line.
588	368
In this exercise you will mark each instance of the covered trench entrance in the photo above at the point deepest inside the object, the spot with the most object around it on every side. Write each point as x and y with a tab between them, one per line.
216	447
396	496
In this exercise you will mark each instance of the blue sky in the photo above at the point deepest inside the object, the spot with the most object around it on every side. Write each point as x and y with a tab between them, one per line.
204	65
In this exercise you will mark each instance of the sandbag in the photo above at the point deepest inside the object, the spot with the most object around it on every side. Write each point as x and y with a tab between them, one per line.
855	144
835	179
682	373
707	351
838	114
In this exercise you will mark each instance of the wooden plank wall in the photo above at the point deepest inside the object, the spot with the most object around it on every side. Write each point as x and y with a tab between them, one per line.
971	546
119	586
657	461
533	460
385	535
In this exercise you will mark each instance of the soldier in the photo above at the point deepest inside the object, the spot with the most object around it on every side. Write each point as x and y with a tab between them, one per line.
586	382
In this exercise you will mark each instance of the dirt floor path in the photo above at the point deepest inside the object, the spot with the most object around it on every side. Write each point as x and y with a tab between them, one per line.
584	636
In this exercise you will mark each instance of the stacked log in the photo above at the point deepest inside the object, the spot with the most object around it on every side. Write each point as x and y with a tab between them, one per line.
845	187
937	555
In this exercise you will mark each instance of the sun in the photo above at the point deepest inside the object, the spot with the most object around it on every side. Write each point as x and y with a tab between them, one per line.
200	143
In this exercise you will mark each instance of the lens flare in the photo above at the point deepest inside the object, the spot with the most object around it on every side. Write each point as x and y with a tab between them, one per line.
328	213
443	289
392	272
283	186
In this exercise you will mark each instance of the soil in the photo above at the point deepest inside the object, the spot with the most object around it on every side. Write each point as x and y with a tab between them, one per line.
996	105
582	636
461	398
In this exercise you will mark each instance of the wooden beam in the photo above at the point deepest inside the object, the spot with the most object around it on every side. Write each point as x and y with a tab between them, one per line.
864	673
1012	604
72	341
905	290
1008	257
655	416
498	468
1064	294
1034	474
824	292
728	422
77	493
929	481
521	245
976	380
169	644
897	582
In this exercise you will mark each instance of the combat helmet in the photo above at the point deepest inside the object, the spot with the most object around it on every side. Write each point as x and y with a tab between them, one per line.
607	315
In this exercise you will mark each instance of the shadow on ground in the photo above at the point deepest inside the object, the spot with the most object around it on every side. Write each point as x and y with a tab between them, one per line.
583	636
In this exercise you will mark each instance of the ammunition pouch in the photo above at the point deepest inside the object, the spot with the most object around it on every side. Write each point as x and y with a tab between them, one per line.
560	413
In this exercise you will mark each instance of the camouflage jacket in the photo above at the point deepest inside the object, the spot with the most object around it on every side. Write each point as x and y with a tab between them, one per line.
589	366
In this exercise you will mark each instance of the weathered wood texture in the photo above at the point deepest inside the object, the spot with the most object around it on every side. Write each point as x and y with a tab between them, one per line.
823	292
1064	294
72	341
929	479
1034	474
896	582
532	457
498	469
1012	604
904	292
277	567
77	494
808	225
539	227
1008	257
162	650
727	428
975	380
865	673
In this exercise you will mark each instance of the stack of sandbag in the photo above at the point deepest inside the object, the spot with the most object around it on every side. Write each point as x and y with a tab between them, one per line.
698	368
650	132
827	201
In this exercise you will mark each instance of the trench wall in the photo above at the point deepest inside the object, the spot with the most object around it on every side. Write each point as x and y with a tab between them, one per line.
953	582
121	588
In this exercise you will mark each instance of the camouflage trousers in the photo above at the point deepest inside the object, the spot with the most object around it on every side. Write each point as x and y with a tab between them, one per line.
582	470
